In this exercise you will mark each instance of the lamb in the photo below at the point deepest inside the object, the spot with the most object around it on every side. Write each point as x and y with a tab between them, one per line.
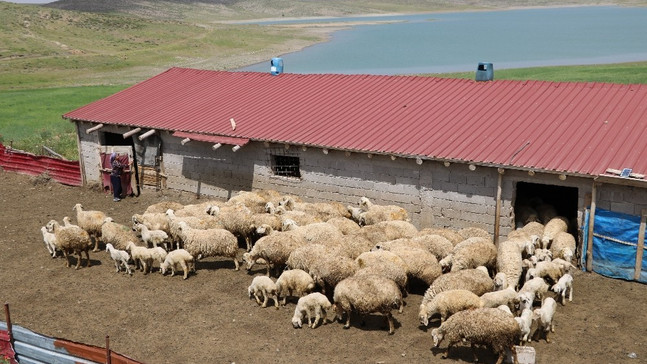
209	243
544	318
525	324
448	303
90	221
490	327
117	234
313	306
158	254
71	240
500	281
50	241
293	282
120	257
475	280
474	252
141	256
563	286
152	237
365	295
181	257
554	226
563	246
543	255
274	249
372	214
549	270
497	298
534	288
263	286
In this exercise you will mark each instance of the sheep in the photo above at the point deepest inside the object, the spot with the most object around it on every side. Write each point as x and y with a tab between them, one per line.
153	221
263	286
351	246
387	230
293	282
531	228
552	227
373	214
437	245
525	214
544	318
421	264
525	324
151	237
328	271
546	212
365	295
90	221
549	270
274	249
506	309
158	254
474	232
141	256
563	286
497	298
448	303
313	306
253	201
500	281
120	257
490	327
509	258
534	288
181	257
475	280
386	264
304	256
453	236
50	241
71	240
209	243
563	246
566	266
162	207
322	210
344	224
321	233
543	255
474	252
300	217
117	234
198	210
206	222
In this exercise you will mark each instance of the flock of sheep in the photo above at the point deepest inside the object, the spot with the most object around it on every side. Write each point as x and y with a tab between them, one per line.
336	260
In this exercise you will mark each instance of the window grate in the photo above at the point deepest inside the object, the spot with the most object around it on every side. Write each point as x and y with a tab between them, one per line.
285	164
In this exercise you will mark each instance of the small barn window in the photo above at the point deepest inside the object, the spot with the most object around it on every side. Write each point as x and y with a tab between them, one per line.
286	166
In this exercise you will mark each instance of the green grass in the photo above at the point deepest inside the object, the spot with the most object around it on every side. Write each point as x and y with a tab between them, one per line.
30	119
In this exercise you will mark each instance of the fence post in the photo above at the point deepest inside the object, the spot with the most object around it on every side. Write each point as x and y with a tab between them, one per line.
589	243
641	245
108	354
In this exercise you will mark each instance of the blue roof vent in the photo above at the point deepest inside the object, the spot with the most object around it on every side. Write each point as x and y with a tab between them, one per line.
276	66
485	72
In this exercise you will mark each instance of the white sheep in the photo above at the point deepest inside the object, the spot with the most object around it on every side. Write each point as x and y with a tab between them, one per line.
50	241
549	270
206	222
448	303
452	235
564	286
178	257
474	232
153	221
365	295
510	255
491	327
237	219
525	324
322	210
372	213
152	238
536	288
293	282
71	240
161	207
544	318
117	234
209	243
437	245
329	270
158	254
384	263
563	246
274	249
475	280
120	257
500	281
497	298
141	256
543	255
552	227
421	264
90	221
314	307
474	252
263	286
317	233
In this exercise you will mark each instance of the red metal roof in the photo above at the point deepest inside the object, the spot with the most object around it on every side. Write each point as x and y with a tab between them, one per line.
577	128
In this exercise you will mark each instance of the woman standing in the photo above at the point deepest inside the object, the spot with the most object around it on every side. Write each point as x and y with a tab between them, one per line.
115	176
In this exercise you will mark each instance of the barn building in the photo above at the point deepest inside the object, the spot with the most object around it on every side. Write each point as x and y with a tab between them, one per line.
453	152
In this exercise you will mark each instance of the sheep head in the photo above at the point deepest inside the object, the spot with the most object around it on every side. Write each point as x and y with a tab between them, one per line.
52	226
365	203
437	335
423	315
247	258
297	321
78	208
288	224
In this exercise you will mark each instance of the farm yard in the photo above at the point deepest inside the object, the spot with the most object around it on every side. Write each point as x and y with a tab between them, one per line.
209	317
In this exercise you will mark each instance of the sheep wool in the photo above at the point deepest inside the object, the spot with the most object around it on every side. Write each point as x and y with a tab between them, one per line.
475	280
90	221
263	287
448	303
365	295
179	257
71	240
209	243
293	282
313	307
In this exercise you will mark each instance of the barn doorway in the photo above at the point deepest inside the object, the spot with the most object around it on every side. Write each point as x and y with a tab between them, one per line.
115	142
535	196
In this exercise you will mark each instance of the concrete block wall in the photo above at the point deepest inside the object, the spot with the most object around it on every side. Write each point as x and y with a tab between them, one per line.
624	199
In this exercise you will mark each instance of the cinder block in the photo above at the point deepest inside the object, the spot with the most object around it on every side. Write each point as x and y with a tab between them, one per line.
525	355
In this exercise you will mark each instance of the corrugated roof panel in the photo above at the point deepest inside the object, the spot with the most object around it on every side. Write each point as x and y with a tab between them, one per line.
581	128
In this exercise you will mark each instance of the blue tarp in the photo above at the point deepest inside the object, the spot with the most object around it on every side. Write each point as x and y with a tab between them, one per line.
615	241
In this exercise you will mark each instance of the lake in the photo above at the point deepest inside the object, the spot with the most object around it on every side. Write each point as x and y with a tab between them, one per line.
453	42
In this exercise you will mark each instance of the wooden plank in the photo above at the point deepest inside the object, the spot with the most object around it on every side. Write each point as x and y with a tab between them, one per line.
497	210
641	245
589	244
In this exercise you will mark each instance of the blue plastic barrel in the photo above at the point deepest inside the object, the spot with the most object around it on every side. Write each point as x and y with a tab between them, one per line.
485	71
276	66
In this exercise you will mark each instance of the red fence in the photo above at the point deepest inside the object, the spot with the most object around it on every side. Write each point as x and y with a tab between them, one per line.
65	172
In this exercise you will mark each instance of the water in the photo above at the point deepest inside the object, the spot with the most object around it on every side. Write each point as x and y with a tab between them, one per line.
452	42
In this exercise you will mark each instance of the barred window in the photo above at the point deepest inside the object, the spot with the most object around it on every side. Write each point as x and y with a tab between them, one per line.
287	166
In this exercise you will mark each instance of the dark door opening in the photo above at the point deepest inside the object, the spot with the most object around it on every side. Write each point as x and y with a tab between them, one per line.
115	139
539	197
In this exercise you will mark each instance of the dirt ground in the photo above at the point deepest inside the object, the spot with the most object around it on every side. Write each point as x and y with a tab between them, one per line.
208	318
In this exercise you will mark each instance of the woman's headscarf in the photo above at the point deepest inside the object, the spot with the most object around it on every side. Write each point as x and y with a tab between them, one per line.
113	156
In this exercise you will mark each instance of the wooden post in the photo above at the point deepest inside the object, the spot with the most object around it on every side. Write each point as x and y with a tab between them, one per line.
131	132
641	245
94	128
80	151
589	243
108	354
497	209
146	134
8	319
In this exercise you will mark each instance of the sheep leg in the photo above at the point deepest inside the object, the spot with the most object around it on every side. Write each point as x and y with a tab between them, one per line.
236	264
276	301
570	294
476	359
127	267
317	317
87	256
264	304
67	258
117	266
258	300
78	262
389	319
185	269
96	244
347	324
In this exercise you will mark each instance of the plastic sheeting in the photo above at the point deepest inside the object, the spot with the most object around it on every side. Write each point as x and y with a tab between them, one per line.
615	243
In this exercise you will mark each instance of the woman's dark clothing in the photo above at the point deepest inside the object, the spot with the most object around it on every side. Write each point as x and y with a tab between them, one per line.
115	178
